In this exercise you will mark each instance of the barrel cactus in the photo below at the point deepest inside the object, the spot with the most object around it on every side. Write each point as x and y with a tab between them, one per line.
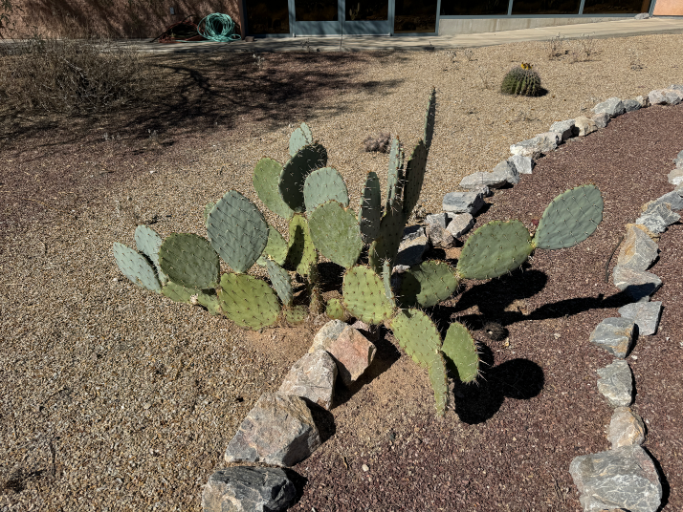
522	81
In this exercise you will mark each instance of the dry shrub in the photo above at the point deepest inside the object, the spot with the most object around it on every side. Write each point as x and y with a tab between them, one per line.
554	47
382	143
73	76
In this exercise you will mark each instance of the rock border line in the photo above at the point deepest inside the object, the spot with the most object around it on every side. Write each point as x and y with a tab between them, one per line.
280	429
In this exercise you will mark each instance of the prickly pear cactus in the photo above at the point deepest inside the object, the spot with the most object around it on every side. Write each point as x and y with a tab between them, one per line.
248	301
395	175
295	314
417	335
336	233
266	181
136	267
459	347
495	249
177	293
428	284
301	255
438	378
570	218
282	284
207	210
364	296
370	212
295	172
324	185
189	260
276	248
335	310
148	243
301	137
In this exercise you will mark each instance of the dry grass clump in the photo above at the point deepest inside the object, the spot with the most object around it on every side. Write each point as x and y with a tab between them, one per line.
73	76
381	143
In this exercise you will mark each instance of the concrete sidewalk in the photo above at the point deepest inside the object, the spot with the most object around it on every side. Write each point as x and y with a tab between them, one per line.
628	27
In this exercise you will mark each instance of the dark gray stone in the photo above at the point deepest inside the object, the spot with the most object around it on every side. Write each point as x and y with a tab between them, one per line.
638	284
440	237
613	106
645	315
638	250
614	335
566	128
463	202
662	210
525	164
616	383
626	478
248	489
412	232
673	97
601	120
631	105
437	219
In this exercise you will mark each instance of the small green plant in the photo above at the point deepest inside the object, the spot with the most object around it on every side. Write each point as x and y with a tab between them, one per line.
522	81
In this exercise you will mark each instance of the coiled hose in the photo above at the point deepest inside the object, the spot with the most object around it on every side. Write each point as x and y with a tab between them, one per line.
218	27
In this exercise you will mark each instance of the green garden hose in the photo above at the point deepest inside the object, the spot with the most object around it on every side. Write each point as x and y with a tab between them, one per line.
218	27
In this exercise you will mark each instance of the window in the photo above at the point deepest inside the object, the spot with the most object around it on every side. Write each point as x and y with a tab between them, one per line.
474	7
616	6
546	6
316	10
415	16
267	17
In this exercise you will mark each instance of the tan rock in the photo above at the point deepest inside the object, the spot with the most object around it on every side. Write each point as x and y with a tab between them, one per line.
312	377
626	428
585	125
638	250
352	352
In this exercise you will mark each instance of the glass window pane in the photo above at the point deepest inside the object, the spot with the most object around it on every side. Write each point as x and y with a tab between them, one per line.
316	10
546	6
267	17
415	16
616	6
367	10
474	7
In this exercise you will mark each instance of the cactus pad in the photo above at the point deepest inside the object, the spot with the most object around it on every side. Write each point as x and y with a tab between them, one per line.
439	381
207	211
460	348
364	296
248	301
136	267
417	335
209	300
335	310
386	279
428	284
296	314
189	260
336	234
570	218
177	293
414	178
370	213
148	243
301	254
385	247
495	249
295	172
281	281
323	185
430	119
266	179
301	137
276	248
237	230
395	176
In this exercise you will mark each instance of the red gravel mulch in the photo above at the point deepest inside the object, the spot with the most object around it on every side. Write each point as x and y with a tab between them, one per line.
537	405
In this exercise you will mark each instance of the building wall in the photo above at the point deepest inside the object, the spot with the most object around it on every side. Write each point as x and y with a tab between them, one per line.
108	18
668	8
451	27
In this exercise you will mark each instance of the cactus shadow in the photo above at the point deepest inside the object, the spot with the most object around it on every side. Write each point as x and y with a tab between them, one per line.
519	379
331	276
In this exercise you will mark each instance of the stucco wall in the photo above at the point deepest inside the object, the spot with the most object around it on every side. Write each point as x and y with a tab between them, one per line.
113	18
668	8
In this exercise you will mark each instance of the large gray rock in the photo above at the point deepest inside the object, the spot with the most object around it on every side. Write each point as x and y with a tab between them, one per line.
439	236
437	219
328	332
538	145
657	217
279	430
657	97
525	164
509	170
625	478
312	377
638	284
616	383
601	120
678	161
644	314
676	87
585	126
463	202
410	252
248	489
675	177
460	225
674	199
643	100
484	179
566	129
638	250
673	97
613	106
626	428
631	105
614	335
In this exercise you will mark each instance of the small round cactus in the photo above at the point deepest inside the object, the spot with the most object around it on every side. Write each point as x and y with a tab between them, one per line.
522	80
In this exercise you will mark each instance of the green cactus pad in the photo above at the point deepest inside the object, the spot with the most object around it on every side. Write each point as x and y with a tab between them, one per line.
364	296
430	119
301	253
414	178
296	314
276	248
336	233
295	172
301	137
281	281
237	230
386	279
266	179
323	185
248	301
459	347
207	211
417	335
395	175
210	301
177	293
428	284
136	267
438	378
494	249
570	218
148	243
189	260
370	212
335	310
385	247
